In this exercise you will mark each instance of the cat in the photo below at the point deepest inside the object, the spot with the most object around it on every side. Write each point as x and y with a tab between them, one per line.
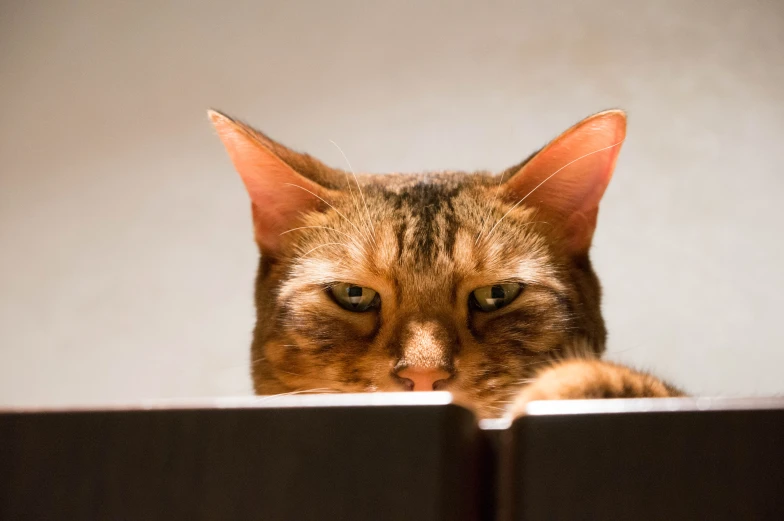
474	283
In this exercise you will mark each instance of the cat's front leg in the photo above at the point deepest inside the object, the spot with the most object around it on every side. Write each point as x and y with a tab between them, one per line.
590	379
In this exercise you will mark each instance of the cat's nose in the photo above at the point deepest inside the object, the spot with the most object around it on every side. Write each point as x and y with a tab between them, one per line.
419	379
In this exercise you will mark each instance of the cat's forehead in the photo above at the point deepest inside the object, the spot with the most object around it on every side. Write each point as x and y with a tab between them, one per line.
402	183
428	229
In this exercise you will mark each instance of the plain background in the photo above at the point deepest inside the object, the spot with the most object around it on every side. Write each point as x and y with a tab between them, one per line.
126	258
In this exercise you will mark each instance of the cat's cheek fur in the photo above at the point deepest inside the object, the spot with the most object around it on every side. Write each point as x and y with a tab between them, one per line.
326	324
294	363
535	323
590	379
489	379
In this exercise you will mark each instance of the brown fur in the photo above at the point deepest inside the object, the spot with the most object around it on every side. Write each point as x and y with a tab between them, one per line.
588	379
423	242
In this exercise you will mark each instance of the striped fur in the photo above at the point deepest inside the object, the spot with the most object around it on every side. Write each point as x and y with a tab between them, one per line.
424	243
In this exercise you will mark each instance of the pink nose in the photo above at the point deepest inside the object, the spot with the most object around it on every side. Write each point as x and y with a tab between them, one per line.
423	379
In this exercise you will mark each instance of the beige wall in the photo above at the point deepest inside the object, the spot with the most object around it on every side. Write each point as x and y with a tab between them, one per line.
126	260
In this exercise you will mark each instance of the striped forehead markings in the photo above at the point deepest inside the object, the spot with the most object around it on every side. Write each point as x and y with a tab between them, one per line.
420	208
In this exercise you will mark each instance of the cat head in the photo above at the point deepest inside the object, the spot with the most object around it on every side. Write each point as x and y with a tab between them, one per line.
464	282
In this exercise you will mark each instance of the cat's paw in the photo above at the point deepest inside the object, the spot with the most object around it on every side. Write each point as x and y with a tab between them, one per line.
586	379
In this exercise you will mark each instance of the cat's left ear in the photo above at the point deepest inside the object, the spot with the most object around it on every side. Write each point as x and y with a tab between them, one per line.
280	194
567	178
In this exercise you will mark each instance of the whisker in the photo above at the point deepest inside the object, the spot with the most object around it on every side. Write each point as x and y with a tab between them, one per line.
490	209
547	179
359	189
353	239
538	362
302	391
328	204
321	246
310	377
495	408
348	181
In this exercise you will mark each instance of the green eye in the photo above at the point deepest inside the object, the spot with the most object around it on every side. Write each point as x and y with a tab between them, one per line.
490	298
355	298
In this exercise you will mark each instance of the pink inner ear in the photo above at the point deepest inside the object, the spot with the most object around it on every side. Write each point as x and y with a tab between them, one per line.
567	179
279	194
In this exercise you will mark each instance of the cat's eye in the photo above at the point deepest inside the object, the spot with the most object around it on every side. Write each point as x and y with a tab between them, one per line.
490	298
355	298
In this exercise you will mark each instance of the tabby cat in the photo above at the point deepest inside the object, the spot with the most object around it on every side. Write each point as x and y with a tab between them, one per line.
474	283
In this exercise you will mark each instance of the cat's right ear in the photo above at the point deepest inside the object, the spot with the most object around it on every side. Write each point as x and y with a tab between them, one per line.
279	195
